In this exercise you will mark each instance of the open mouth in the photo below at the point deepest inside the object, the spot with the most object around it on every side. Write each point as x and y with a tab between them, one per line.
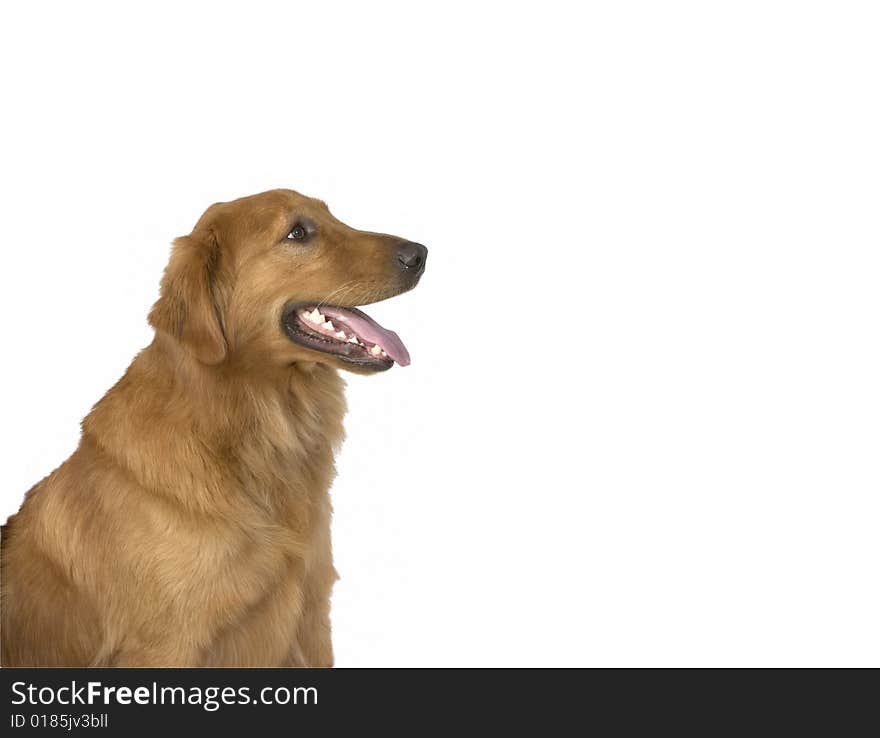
346	333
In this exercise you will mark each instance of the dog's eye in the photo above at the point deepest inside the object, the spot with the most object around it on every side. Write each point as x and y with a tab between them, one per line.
298	233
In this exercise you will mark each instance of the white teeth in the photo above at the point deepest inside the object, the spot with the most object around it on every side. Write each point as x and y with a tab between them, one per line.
384	354
329	325
353	339
340	334
316	317
375	351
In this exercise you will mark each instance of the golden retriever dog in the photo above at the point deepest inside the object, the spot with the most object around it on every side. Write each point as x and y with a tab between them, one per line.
191	526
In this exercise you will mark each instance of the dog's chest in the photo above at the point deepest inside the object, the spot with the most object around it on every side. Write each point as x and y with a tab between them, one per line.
281	533
282	468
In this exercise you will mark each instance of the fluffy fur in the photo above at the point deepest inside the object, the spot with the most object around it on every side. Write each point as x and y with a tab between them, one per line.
191	527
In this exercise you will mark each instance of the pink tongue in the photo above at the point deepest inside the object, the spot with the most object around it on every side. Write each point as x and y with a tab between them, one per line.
370	331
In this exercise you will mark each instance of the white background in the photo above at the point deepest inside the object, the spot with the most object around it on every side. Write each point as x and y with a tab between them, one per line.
641	424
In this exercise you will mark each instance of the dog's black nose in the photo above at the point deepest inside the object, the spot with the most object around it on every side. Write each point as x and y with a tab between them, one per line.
412	256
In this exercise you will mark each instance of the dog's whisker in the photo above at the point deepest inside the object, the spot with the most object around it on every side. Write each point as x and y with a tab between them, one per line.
335	292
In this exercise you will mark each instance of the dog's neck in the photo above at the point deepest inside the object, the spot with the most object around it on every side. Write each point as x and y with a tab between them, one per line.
259	428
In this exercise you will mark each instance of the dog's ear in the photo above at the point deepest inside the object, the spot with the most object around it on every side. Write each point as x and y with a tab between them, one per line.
187	306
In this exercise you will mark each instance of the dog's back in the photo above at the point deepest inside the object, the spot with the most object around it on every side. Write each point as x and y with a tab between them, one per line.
46	620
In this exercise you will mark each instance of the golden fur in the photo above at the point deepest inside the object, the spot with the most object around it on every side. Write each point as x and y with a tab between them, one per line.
191	527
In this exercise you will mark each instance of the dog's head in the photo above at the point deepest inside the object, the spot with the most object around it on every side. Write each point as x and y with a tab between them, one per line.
276	278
